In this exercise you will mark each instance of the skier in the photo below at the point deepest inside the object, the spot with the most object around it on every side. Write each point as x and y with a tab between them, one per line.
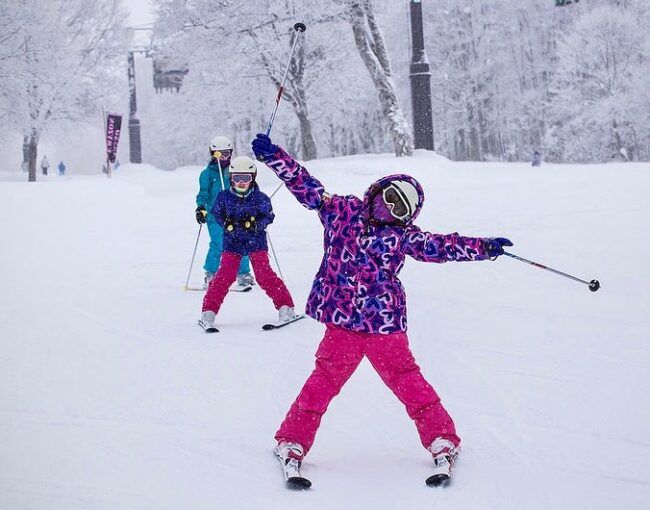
211	183
45	165
537	159
357	295
61	168
244	212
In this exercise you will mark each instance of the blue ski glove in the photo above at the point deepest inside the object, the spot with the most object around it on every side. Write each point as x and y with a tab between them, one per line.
263	148
494	246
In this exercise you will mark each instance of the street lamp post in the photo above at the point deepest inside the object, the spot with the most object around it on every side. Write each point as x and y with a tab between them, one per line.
135	148
420	76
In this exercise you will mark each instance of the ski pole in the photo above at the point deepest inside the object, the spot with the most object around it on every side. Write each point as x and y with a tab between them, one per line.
299	28
275	257
276	190
217	155
187	282
594	285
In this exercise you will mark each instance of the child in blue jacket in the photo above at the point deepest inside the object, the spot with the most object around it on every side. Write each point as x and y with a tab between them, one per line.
244	212
212	181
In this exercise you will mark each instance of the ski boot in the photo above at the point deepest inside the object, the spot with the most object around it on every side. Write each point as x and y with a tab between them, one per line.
444	454
207	322
207	279
286	313
290	456
245	280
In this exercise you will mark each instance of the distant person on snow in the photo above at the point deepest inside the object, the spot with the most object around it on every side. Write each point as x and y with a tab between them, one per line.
357	295
244	212
537	159
61	168
45	165
211	183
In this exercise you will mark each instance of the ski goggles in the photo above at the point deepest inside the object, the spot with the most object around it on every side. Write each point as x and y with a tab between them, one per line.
241	178
397	202
226	153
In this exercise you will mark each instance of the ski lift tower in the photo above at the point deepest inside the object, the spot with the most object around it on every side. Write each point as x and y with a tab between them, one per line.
420	82
135	143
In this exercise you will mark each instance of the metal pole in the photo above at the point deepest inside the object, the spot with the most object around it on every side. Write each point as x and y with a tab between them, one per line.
135	148
187	282
420	76
594	285
299	28
275	256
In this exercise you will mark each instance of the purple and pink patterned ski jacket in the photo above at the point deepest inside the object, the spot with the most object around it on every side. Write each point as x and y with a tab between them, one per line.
356	286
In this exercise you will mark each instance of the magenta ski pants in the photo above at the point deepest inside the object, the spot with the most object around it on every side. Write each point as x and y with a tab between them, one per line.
227	274
337	357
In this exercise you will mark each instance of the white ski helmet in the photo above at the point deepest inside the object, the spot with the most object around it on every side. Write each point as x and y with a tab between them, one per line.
404	201
220	143
242	174
243	165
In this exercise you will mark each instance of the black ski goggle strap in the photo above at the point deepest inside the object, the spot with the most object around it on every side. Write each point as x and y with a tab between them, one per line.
395	197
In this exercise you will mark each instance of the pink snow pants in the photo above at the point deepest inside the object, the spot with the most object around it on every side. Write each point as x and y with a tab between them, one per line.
337	357
227	274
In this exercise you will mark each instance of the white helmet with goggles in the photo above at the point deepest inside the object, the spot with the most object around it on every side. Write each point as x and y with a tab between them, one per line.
242	172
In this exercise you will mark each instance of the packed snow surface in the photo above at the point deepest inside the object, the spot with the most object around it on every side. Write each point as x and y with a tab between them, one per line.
112	397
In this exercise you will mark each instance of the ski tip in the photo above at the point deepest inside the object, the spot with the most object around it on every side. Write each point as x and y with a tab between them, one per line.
298	483
439	480
268	327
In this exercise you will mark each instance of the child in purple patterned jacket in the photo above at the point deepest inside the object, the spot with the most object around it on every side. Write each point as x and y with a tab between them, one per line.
358	296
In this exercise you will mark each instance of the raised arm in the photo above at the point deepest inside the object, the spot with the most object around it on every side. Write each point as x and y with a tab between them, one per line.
307	189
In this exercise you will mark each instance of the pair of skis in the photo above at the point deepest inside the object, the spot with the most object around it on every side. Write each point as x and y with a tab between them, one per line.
236	288
295	481
265	327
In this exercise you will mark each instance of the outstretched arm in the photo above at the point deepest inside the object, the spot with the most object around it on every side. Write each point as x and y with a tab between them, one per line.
307	189
428	247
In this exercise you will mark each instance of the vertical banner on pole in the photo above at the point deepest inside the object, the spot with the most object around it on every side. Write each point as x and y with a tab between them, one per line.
113	126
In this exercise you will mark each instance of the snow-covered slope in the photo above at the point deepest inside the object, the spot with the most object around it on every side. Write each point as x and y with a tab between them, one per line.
112	397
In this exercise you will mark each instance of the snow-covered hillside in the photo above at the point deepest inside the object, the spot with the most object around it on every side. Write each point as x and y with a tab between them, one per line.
112	397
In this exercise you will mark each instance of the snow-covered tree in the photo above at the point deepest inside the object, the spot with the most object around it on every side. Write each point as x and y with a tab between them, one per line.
603	69
58	60
370	44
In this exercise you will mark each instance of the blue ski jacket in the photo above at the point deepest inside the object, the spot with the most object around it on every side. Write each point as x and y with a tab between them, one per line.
210	186
244	219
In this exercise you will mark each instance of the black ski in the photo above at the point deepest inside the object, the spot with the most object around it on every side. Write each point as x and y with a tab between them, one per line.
298	483
439	480
278	325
